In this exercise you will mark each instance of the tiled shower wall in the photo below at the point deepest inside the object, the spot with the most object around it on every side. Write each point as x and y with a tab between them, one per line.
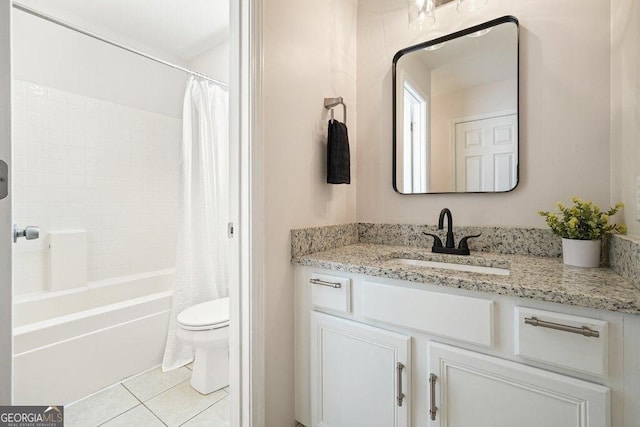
84	164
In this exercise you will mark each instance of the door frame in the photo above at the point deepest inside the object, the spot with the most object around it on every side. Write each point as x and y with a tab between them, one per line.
247	307
6	283
425	167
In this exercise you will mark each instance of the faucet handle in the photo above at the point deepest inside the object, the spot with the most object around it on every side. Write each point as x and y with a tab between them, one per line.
463	241
437	243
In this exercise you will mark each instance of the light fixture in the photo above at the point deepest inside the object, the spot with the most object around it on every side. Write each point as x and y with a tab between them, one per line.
421	14
470	5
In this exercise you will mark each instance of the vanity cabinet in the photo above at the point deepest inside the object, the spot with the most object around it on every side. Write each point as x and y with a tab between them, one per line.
472	389
359	374
491	367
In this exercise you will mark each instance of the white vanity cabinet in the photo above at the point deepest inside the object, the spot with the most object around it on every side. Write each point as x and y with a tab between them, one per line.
473	389
359	374
491	366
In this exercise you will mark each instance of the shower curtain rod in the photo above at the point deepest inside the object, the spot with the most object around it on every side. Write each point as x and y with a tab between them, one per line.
113	43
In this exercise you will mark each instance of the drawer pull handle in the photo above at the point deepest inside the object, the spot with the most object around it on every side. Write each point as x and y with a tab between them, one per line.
325	283
433	409
399	368
533	321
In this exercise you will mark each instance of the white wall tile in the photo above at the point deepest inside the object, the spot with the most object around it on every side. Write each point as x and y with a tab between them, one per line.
82	163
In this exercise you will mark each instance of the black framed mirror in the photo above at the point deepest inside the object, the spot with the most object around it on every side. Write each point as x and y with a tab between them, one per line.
456	112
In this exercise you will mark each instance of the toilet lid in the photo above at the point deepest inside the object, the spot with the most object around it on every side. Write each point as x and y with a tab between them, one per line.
207	315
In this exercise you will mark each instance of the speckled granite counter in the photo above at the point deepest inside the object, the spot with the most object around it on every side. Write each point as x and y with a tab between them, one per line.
545	279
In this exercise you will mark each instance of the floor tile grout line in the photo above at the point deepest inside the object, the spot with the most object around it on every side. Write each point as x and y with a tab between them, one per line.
130	409
225	393
140	402
139	374
132	393
214	403
155	395
170	388
70	404
122	413
122	384
164	391
155	415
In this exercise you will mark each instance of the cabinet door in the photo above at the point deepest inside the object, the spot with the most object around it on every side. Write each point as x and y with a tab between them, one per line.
360	375
472	389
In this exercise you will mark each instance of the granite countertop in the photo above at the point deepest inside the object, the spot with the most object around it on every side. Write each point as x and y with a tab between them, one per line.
540	278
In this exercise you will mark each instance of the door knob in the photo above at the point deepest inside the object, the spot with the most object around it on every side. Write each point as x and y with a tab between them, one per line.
30	232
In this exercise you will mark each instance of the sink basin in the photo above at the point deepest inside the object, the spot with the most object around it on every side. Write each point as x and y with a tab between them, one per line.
451	266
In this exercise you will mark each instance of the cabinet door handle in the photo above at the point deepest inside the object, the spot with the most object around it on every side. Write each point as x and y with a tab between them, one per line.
534	321
335	285
399	368
433	409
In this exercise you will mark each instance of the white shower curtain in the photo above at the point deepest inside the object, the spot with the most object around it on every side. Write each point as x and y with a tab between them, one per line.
201	272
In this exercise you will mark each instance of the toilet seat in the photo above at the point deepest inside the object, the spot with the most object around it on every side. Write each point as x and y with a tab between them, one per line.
207	315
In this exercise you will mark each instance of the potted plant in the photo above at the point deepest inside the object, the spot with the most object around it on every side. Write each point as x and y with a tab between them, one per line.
581	227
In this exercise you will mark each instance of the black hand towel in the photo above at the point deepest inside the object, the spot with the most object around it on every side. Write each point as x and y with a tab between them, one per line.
338	161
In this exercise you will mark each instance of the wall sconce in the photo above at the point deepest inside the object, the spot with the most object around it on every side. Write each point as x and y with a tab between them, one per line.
422	13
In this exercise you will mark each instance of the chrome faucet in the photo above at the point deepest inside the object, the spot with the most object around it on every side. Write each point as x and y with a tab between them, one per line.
450	245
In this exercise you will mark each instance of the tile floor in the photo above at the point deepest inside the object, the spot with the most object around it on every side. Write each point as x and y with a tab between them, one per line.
151	399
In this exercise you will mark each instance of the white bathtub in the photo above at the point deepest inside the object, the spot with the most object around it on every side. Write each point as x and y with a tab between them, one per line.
73	343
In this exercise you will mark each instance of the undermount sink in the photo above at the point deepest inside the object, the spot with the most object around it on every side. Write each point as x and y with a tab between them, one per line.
451	266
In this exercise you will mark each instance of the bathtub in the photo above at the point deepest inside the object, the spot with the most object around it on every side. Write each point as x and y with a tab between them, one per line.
72	343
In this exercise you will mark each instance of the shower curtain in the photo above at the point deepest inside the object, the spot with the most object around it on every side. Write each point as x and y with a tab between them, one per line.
201	271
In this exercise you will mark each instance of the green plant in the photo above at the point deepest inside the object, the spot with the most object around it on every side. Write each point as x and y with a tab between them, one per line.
583	221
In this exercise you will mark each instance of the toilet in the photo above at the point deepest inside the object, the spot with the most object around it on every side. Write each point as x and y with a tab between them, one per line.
205	326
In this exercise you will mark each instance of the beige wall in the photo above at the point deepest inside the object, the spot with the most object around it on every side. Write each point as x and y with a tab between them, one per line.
625	108
564	77
309	54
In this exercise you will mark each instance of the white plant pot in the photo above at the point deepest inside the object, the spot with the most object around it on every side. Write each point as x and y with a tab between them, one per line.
581	253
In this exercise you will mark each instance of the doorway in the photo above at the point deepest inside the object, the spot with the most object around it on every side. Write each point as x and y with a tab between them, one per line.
243	34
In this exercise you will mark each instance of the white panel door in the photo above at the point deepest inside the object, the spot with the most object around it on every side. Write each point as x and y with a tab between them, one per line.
487	154
6	348
472	389
358	373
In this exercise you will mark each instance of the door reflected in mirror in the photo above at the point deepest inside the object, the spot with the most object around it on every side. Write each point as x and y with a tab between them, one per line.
455	112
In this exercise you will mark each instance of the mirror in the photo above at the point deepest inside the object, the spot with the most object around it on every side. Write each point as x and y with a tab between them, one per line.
455	112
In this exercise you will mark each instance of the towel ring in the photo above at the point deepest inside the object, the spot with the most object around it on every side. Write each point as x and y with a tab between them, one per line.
330	103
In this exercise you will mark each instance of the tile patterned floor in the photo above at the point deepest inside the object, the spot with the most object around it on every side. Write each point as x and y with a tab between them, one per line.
151	399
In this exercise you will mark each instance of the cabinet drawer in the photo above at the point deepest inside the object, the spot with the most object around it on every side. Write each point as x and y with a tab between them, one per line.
558	339
452	316
331	292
